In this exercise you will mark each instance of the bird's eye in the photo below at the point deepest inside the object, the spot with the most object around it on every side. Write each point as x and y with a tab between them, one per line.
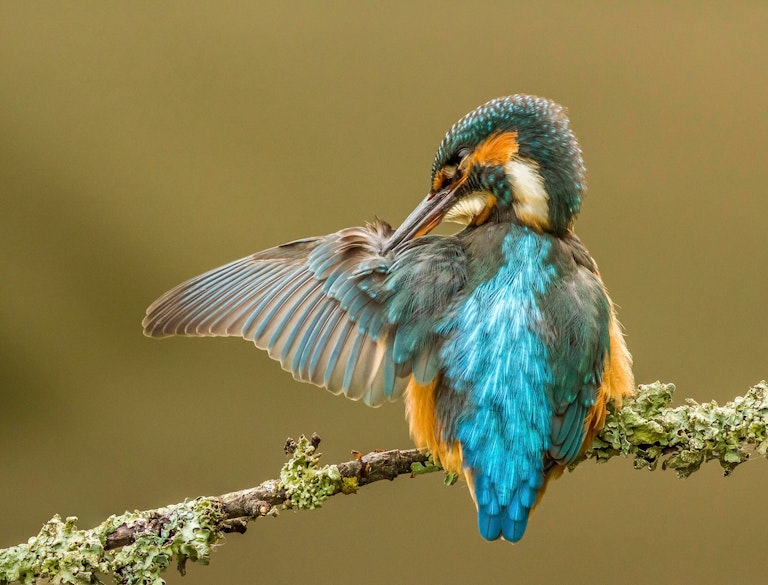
464	158
454	166
458	156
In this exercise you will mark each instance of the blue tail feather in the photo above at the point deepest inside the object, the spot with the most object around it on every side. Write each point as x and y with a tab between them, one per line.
489	525
514	529
511	520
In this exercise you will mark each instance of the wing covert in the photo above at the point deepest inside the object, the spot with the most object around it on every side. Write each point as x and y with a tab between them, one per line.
579	311
330	309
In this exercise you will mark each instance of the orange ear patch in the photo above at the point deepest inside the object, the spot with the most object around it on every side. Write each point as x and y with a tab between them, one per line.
497	150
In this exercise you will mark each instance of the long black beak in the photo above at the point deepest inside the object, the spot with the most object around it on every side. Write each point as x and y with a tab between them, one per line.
424	218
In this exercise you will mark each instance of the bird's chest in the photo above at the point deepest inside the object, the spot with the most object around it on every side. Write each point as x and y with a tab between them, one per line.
495	334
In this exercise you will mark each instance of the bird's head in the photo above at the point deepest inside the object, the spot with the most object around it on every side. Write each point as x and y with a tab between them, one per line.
512	159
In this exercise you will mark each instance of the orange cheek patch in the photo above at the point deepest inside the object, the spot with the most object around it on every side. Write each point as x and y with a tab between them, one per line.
496	150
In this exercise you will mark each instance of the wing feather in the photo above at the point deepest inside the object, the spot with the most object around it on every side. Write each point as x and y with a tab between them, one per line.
224	320
292	325
327	308
236	321
579	312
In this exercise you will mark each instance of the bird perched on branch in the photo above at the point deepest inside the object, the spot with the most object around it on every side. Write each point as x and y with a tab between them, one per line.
501	338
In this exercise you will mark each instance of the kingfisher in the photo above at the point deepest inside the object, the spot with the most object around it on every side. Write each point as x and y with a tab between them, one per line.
501	339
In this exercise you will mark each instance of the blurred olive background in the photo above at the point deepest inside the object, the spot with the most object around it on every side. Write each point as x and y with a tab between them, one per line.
143	143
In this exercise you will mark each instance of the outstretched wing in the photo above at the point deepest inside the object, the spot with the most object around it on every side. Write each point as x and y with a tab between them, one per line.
336	310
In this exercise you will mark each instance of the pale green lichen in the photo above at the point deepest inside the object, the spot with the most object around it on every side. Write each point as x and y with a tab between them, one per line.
684	437
187	531
429	466
304	482
64	555
60	553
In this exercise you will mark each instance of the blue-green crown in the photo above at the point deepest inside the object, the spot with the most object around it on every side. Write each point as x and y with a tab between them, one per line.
544	136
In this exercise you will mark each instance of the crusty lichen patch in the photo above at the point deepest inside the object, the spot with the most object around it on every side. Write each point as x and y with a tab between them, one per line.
305	483
60	553
684	437
63	554
187	531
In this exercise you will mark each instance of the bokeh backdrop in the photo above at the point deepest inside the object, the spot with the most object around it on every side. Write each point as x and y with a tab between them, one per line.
142	143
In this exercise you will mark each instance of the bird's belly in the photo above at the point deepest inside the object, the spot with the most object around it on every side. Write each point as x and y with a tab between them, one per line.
425	427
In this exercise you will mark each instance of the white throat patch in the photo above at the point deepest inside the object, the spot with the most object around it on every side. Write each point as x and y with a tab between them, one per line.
469	208
530	198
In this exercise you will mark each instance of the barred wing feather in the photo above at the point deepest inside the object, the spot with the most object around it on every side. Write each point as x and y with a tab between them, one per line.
317	305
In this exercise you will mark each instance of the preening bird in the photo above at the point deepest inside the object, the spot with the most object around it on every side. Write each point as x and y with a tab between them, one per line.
501	338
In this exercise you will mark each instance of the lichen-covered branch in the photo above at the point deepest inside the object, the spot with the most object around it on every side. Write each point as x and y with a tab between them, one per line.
683	438
137	547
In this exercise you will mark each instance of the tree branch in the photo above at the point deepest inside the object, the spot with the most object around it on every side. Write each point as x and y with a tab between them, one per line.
683	438
136	547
